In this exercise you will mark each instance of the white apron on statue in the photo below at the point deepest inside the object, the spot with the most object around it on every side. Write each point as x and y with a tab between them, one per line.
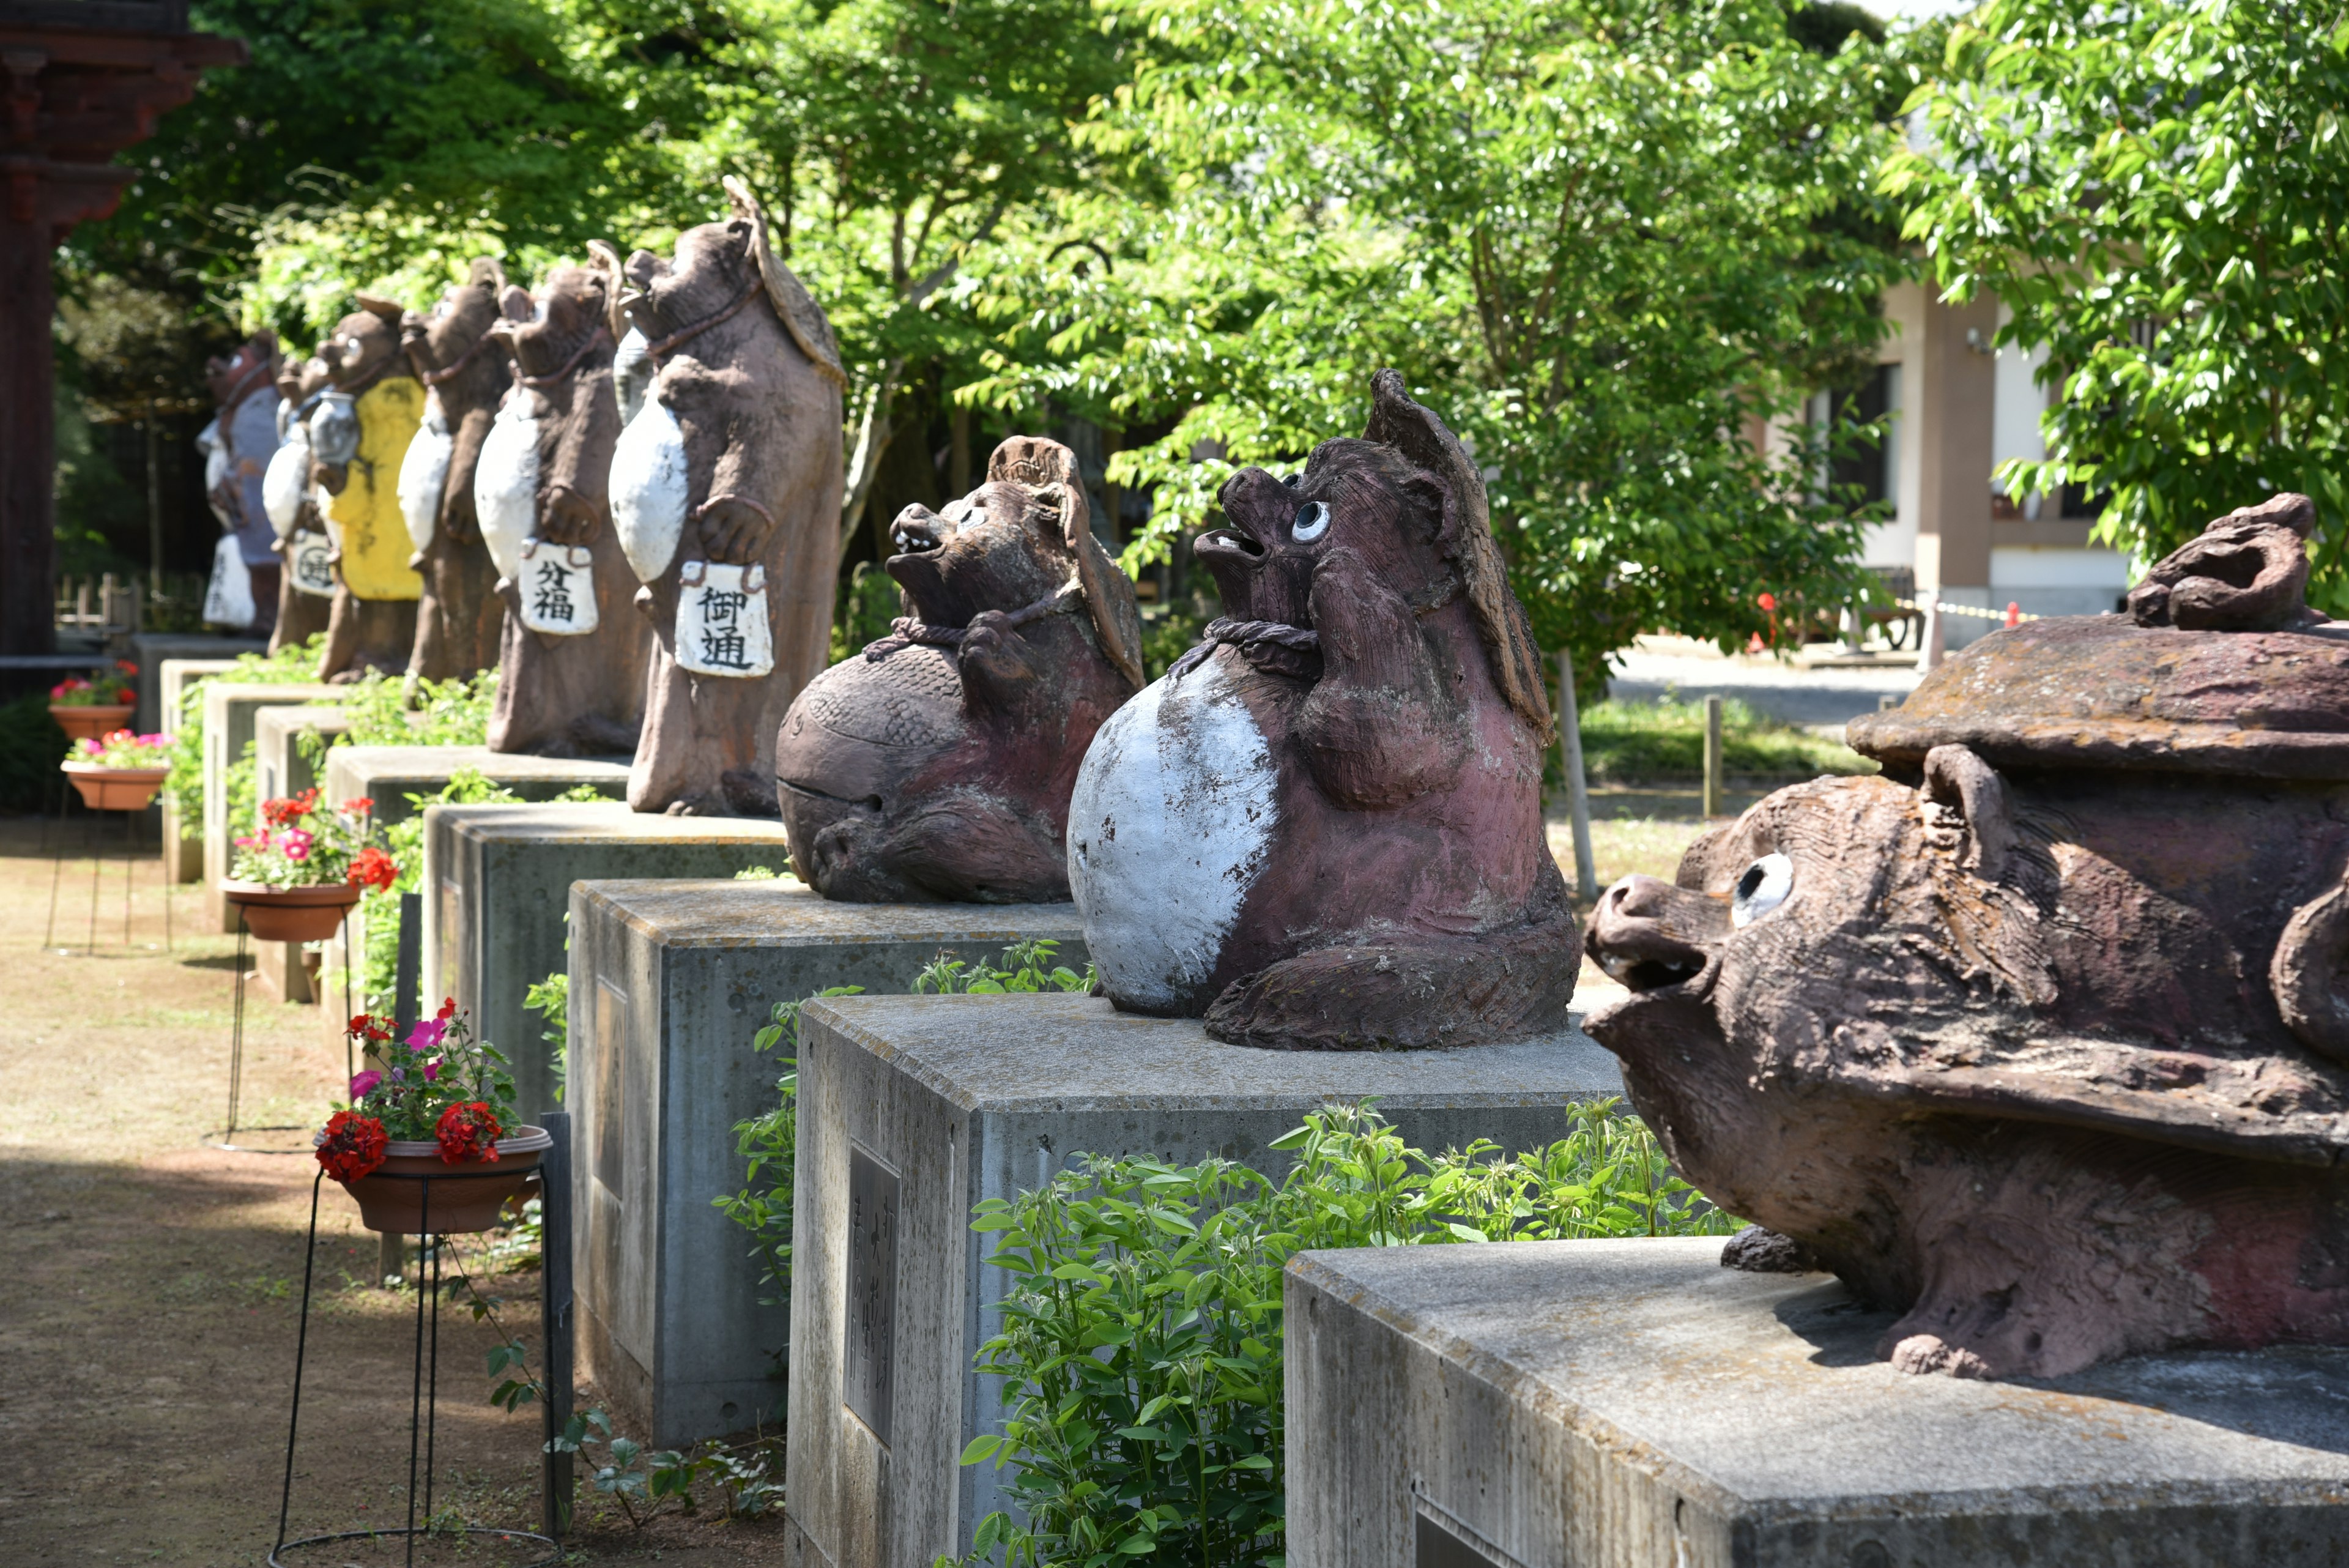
424	474
228	597
288	474
505	485
649	490
722	620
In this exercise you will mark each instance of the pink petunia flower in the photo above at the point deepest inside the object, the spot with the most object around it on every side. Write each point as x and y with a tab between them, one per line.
431	1070
363	1084
426	1034
298	845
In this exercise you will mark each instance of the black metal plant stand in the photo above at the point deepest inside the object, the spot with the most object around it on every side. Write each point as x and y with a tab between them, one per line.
227	1139
423	1390
53	835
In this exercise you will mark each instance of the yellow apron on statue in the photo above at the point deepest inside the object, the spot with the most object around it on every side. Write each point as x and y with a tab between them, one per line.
376	546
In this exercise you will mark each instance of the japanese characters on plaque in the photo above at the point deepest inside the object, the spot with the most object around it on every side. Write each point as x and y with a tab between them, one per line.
722	626
557	589
310	559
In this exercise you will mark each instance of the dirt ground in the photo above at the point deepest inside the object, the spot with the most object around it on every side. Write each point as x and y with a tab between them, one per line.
151	1285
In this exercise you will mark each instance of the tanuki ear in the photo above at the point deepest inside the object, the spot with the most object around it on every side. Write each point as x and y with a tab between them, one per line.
1968	809
390	310
485	273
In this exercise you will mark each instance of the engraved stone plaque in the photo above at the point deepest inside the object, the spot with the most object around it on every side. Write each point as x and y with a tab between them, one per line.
611	1031
870	1374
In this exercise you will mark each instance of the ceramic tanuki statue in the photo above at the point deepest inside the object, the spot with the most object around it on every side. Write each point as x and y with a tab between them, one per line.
937	765
239	444
358	439
726	492
1322	829
572	665
465	371
306	576
2041	1039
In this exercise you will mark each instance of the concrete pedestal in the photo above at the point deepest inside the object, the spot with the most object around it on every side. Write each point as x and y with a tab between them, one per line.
669	981
1634	1404
183	842
389	775
229	709
498	891
279	766
280	769
912	1110
151	650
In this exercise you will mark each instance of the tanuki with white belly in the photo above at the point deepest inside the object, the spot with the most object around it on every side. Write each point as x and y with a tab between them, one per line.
1323	828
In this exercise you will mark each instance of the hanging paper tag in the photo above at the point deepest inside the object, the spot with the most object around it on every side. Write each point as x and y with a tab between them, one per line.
556	585
228	597
722	620
310	559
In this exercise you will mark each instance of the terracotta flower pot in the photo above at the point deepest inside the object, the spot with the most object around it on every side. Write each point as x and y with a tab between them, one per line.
292	914
91	720
448	1199
114	789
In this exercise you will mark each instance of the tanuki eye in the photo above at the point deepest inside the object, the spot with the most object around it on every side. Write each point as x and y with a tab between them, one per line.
1313	522
1765	886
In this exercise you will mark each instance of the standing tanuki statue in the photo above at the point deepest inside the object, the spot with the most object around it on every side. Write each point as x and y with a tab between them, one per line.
571	670
936	764
466	371
726	492
1322	829
2039	1040
358	439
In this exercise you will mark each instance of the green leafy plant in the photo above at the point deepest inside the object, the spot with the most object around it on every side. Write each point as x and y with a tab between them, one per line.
122	749
291	665
384	711
551	1000
1025	967
404	839
760	873
2153	190
1142	1342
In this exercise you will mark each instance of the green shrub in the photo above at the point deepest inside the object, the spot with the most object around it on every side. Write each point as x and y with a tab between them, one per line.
1664	742
291	665
769	1143
869	601
1142	1346
387	711
404	840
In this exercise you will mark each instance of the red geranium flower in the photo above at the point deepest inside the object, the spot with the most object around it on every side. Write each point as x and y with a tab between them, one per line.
351	1146
372	867
468	1130
286	811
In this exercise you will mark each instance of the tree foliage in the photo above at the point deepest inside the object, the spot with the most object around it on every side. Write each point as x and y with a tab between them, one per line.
1609	242
2155	189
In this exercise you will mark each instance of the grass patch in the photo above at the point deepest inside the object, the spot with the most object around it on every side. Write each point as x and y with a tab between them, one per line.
1664	742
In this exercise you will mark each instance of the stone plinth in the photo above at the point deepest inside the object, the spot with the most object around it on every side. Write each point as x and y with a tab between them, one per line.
229	709
1634	1404
497	883
918	1108
183	843
388	774
669	981
152	650
279	766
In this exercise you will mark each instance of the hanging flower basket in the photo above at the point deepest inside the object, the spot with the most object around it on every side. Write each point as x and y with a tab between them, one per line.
88	720
415	1187
105	788
305	914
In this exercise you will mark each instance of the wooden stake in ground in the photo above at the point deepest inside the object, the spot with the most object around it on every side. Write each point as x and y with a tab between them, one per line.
1713	756
1577	788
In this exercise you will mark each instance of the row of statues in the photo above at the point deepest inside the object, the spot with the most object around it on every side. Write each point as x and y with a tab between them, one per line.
623	490
2039	1037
